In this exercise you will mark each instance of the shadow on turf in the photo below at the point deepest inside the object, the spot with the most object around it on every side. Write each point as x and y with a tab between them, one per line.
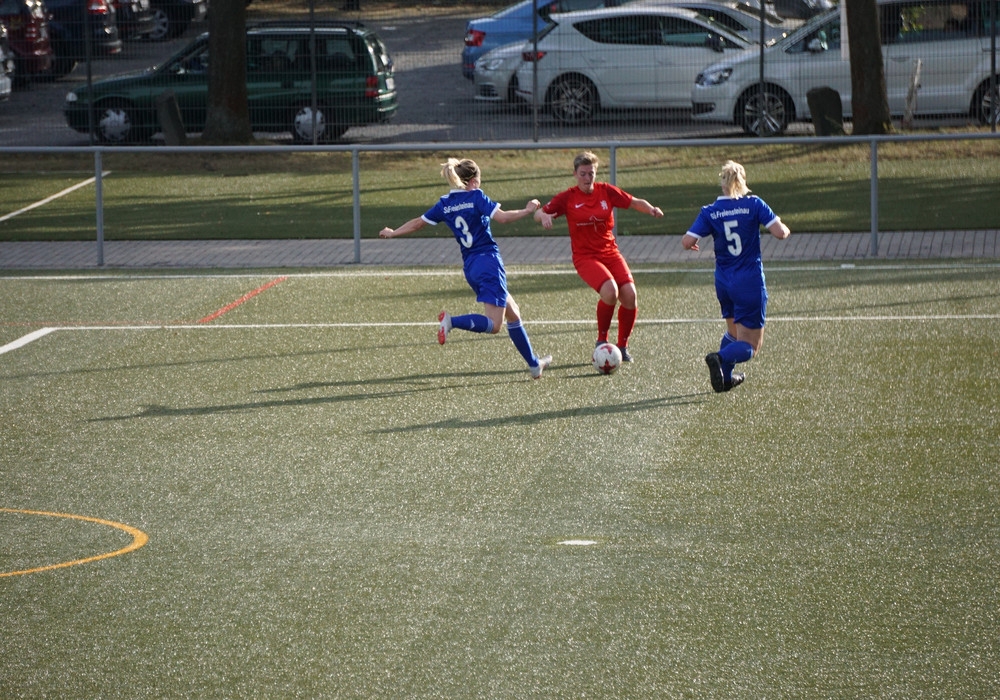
159	411
534	418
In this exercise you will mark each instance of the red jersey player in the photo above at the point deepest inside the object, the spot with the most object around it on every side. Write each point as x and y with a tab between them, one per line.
589	209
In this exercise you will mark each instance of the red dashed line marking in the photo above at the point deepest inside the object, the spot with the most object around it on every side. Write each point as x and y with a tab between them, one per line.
246	297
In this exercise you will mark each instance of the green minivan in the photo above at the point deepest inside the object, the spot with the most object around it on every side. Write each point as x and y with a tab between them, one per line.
352	70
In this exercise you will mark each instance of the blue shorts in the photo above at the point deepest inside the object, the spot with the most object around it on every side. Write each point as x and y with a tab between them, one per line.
742	297
486	275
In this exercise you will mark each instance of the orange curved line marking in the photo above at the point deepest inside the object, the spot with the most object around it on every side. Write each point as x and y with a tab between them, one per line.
139	538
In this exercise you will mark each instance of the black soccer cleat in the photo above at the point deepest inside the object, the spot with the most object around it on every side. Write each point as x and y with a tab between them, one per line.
626	355
738	378
714	363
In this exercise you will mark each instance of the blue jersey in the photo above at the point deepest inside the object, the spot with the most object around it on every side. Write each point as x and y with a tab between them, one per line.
739	273
468	214
735	224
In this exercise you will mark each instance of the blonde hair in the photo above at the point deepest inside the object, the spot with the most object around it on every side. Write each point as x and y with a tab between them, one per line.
733	179
585	158
459	172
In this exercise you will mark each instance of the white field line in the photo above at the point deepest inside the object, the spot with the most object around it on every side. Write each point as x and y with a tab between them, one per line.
35	335
57	195
512	270
24	340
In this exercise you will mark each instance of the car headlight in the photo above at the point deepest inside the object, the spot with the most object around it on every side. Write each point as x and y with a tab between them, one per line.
71	97
714	76
490	64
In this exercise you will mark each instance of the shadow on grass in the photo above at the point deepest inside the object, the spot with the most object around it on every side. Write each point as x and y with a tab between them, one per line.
534	418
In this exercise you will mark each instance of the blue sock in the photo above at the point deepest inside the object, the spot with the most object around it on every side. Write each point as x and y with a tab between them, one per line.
734	353
519	337
726	340
476	323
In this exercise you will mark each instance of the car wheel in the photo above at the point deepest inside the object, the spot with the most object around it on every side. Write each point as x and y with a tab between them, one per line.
302	126
116	124
764	114
986	105
573	100
163	26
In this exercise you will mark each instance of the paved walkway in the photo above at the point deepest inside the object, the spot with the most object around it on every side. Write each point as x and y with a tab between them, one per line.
442	251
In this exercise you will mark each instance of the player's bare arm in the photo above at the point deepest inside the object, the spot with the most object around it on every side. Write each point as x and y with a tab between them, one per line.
505	217
544	218
409	227
641	205
779	230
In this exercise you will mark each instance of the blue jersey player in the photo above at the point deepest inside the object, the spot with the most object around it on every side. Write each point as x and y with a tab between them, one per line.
735	220
468	212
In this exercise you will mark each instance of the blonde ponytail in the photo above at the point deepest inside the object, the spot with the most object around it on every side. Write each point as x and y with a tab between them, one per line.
733	180
458	173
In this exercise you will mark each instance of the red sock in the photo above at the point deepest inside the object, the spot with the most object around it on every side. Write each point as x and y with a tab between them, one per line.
604	315
626	322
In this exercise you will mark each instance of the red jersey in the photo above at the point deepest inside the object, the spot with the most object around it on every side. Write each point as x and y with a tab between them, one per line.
591	217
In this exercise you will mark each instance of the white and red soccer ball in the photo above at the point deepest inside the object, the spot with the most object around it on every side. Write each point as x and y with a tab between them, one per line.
607	357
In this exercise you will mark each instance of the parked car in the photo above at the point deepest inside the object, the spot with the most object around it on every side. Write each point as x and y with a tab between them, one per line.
355	85
633	56
950	38
6	64
171	18
68	23
28	34
135	18
496	73
515	23
802	9
740	18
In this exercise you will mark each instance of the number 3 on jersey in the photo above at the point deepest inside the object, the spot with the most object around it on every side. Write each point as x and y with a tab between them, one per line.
735	246
463	226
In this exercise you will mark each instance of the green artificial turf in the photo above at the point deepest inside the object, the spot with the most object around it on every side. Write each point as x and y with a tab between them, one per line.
337	506
922	186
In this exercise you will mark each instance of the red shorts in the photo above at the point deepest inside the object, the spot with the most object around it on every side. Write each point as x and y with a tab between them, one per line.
596	270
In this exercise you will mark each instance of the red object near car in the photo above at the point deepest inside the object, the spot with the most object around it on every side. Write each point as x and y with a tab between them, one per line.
29	37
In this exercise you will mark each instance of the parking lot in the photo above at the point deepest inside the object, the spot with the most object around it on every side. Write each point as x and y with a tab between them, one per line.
436	101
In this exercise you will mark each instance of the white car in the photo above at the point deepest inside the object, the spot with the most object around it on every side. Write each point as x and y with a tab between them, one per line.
740	18
634	56
949	38
495	75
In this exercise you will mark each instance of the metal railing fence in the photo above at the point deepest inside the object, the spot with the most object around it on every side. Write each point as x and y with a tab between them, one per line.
873	144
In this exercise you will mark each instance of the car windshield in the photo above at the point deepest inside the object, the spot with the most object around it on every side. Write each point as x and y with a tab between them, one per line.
808	28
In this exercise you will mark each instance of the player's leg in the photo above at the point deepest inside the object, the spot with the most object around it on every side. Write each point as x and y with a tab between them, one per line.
627	302
481	272
599	278
519	336
750	311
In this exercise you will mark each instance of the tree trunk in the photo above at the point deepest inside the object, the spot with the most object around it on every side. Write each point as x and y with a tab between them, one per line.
869	104
228	117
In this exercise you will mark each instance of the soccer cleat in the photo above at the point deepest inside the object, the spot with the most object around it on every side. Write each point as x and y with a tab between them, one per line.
543	362
445	326
737	379
714	363
626	355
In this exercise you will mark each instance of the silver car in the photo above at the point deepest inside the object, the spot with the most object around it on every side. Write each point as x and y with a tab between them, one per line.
634	56
740	18
949	38
495	75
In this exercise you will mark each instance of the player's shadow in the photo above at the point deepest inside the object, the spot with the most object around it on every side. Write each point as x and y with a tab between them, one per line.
534	418
160	411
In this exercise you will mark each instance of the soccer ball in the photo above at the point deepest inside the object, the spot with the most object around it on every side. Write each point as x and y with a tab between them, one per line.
607	357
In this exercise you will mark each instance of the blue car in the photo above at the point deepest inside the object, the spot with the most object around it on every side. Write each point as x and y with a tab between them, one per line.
515	23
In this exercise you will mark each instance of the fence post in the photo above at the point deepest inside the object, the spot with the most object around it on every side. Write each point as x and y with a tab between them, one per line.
99	197
873	177
356	177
